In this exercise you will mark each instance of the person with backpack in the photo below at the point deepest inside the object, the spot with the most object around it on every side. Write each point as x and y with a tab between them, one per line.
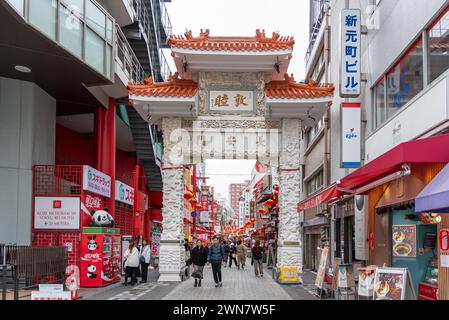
257	254
215	258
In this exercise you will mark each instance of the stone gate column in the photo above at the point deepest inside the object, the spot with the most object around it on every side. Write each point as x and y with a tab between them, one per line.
171	253
290	247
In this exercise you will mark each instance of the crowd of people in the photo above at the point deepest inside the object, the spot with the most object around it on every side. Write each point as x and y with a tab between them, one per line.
222	253
137	260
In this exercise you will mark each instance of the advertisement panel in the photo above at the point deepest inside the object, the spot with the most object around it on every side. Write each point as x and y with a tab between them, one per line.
124	193
404	241
204	217
155	241
366	282
57	213
96	181
390	283
346	276
350	61
319	281
350	135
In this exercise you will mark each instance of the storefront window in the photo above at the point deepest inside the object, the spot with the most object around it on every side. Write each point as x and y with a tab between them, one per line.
379	104
405	80
439	46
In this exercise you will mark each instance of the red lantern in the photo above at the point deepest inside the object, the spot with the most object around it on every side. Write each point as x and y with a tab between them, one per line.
269	202
198	207
276	187
262	211
188	195
193	201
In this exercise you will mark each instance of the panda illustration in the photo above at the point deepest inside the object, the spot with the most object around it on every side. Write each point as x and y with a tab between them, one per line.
102	218
92	244
91	271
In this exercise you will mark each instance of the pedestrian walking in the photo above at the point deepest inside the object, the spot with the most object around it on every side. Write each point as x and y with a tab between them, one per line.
215	257
257	254
241	255
226	253
232	254
145	257
199	258
131	264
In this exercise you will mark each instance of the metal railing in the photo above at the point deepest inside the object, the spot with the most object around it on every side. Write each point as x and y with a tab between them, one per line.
127	58
165	19
24	267
316	26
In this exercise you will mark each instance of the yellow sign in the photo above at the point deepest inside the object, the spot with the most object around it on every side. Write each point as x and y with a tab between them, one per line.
289	275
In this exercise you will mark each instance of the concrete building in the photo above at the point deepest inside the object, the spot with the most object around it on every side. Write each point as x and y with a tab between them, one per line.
235	190
63	94
404	108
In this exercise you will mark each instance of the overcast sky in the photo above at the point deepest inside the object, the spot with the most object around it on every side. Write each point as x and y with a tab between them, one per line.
242	18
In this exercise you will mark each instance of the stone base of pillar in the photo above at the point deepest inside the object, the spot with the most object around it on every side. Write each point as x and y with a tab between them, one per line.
170	262
290	256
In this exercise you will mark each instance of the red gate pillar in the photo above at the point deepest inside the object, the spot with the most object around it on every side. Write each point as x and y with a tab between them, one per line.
105	138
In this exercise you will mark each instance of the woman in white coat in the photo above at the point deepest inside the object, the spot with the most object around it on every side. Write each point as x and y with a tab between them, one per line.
145	256
132	263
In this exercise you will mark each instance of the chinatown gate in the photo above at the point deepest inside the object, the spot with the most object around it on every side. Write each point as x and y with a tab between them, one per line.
231	98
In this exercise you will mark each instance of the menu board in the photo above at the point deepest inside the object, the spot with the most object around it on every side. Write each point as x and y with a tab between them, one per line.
404	241
346	276
366	281
430	240
319	281
389	283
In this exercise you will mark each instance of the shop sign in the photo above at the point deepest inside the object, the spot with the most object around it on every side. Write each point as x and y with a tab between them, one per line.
51	295
124	193
346	276
231	101
319	281
444	240
217	229
350	31
404	241
96	181
155	241
57	213
204	216
390	283
366	282
350	135
289	275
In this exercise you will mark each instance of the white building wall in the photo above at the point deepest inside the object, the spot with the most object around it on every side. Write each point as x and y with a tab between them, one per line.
27	137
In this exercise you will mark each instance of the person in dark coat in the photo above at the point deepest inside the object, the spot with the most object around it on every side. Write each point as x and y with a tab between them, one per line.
199	258
257	253
215	257
232	254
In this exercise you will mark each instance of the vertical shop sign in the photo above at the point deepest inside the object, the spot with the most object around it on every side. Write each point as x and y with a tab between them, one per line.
361	227
350	28
350	135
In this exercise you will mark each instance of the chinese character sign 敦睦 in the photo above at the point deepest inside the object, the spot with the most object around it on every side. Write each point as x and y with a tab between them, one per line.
350	53
231	101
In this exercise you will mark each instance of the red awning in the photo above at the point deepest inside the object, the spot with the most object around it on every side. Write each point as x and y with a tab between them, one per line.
324	196
427	150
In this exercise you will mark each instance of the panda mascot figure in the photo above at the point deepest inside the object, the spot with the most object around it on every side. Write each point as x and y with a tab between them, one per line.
102	218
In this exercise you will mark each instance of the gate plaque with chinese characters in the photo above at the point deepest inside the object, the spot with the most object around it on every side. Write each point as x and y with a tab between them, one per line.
228	101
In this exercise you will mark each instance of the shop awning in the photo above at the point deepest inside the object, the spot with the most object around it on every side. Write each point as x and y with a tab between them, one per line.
428	150
324	196
435	196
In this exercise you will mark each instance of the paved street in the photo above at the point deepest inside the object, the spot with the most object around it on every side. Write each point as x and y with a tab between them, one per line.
237	285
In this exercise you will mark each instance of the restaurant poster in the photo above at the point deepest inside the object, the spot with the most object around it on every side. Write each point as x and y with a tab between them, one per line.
319	281
366	281
346	276
335	274
390	283
404	241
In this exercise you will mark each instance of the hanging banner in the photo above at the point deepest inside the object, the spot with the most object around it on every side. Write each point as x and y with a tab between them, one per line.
350	135
361	227
96	181
124	193
350	32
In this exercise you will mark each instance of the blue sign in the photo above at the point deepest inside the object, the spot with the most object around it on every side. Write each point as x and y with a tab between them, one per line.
194	214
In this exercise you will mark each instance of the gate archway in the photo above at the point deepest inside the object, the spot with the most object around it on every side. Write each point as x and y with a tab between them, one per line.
230	99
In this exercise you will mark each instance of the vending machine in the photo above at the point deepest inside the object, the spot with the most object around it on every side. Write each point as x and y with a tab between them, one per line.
100	263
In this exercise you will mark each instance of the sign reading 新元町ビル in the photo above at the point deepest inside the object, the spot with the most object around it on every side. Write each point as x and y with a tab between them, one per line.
231	100
124	193
350	28
96	181
57	213
350	135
